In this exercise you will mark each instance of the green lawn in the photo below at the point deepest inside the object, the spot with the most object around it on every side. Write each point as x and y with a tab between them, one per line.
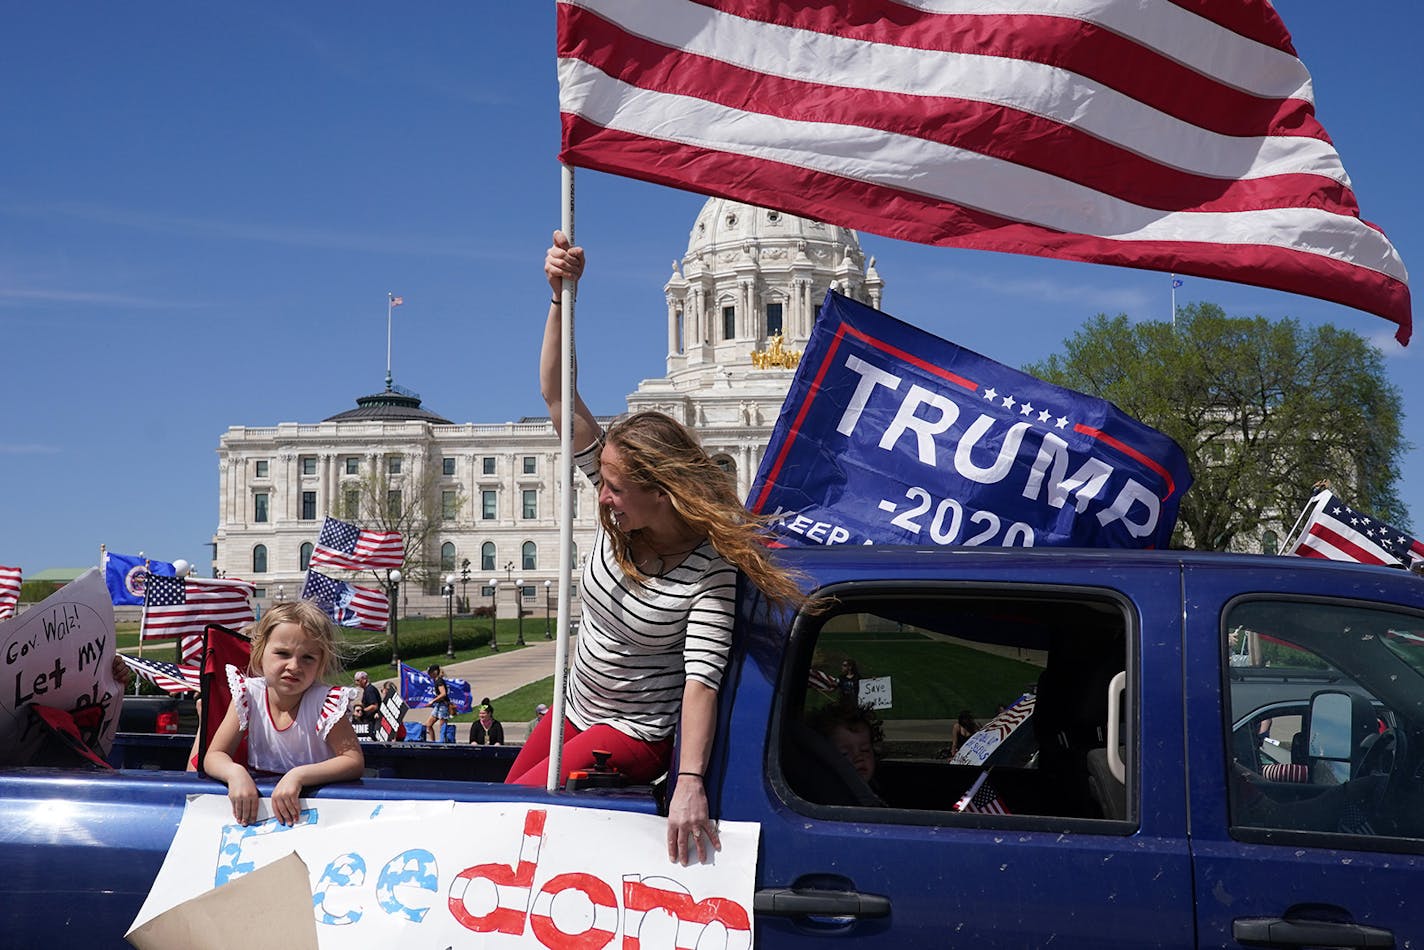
930	678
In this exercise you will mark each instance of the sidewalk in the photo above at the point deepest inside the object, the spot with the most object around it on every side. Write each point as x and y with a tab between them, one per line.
494	676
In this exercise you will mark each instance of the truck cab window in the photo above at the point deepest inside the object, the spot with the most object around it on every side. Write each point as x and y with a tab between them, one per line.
1324	721
935	705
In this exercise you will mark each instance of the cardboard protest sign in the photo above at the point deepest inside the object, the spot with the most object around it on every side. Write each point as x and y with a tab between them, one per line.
890	435
411	873
59	654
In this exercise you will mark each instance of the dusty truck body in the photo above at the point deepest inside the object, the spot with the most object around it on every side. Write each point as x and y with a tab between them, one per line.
1223	751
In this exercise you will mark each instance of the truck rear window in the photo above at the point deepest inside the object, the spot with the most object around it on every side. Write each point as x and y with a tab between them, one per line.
982	703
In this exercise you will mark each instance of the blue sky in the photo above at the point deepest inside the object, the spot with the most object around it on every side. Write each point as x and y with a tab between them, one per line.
203	206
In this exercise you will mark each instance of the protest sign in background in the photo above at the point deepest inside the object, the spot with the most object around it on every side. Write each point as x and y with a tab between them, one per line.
891	435
60	654
436	874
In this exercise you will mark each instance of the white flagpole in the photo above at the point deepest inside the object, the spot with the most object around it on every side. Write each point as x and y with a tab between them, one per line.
1174	301
390	305
1311	507
566	492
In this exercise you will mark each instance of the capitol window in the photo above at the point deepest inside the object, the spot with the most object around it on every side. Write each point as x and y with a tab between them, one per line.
393	504
308	464
259	507
259	468
259	559
447	506
529	556
729	323
488	501
353	465
531	503
308	506
447	466
393	465
487	465
487	558
530	464
773	319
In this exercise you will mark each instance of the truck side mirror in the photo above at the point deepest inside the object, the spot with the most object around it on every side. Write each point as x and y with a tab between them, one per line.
1331	730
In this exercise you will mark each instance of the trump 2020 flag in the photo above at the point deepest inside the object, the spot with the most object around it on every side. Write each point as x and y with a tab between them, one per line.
347	547
1336	532
890	435
350	605
124	574
418	689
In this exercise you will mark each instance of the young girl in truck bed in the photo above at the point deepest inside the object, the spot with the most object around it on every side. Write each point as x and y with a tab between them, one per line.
295	724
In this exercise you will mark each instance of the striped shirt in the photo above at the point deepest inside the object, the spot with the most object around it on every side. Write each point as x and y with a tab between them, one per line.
639	643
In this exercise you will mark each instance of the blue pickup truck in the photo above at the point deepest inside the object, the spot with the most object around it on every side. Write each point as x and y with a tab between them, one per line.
1223	751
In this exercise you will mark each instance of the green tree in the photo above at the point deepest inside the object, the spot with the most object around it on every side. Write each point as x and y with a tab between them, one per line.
409	502
1264	410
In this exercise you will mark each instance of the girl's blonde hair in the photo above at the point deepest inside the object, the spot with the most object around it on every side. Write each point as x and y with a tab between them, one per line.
659	454
314	623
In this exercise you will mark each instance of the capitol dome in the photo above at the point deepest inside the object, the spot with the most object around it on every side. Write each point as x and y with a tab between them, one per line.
753	278
723	224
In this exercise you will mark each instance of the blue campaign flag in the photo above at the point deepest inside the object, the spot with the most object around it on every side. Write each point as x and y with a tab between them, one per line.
890	435
124	574
418	690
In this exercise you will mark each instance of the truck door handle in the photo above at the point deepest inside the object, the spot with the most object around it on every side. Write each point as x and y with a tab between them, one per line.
1280	932
793	902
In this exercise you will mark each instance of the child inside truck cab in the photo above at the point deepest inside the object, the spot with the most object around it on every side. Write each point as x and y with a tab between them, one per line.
295	724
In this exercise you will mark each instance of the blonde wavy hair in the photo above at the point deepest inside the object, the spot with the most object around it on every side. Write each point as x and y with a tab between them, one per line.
660	454
314	623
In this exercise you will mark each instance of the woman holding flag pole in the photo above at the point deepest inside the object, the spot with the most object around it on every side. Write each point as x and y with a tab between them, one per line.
658	595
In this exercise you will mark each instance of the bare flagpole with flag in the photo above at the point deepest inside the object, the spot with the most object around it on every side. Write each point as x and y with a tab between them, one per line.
566	490
1176	282
392	302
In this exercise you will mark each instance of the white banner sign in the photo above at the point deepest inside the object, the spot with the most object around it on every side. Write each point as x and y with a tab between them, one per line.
875	692
462	874
59	653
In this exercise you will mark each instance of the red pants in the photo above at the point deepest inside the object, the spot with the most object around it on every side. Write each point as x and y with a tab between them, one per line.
640	761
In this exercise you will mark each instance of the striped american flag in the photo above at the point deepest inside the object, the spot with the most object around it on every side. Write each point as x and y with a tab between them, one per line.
1143	133
9	591
981	798
176	607
350	605
169	677
1336	532
347	547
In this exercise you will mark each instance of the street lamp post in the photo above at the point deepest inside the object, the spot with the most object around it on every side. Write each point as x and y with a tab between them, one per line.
548	588
494	614
519	607
465	583
281	592
393	579
448	589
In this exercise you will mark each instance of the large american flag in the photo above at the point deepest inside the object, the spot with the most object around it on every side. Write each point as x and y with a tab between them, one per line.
1156	134
350	605
346	547
169	677
1336	532
9	591
183	606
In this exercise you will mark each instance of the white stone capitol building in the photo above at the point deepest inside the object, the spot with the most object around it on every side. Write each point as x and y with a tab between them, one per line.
749	274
